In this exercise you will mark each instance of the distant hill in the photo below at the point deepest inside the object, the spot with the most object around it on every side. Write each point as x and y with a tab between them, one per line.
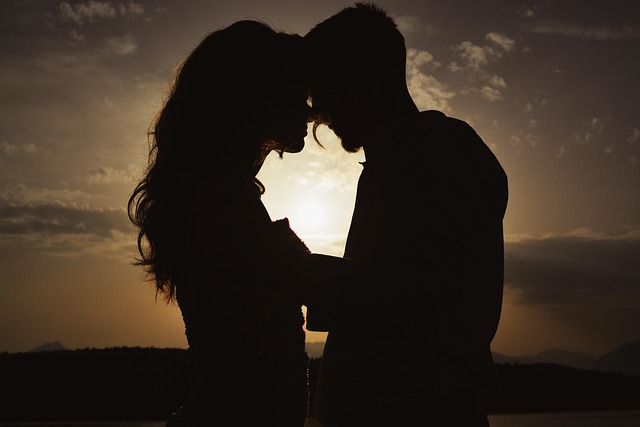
573	359
542	387
49	346
625	359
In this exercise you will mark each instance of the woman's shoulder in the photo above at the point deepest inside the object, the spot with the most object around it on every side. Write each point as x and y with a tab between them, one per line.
282	237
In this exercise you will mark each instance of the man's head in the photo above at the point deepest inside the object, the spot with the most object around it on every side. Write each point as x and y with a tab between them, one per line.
358	71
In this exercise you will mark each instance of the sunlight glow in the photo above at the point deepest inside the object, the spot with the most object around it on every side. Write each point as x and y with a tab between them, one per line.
309	215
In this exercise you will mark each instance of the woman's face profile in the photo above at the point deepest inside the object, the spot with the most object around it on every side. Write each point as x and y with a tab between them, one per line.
289	114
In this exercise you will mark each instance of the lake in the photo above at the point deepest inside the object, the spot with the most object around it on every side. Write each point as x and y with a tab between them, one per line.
570	419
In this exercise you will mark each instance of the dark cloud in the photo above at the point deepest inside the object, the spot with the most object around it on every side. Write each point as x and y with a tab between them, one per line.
596	32
90	11
57	219
565	270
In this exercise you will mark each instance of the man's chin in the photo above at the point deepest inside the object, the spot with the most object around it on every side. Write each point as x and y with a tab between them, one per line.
347	141
349	145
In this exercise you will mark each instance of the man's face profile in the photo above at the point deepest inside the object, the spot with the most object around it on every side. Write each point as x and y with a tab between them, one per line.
340	109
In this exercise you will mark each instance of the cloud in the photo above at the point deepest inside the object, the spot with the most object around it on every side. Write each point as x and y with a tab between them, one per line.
413	25
490	89
130	9
56	229
421	58
527	12
8	149
490	93
584	31
121	45
425	89
635	136
20	194
578	291
107	175
590	129
474	55
56	218
77	37
92	11
500	40
86	12
477	56
111	105
326	169
497	82
455	67
580	267
525	139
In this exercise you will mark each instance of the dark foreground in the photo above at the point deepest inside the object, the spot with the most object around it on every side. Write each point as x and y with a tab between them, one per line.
149	383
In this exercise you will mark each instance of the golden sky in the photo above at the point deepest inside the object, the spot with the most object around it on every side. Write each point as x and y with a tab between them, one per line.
551	87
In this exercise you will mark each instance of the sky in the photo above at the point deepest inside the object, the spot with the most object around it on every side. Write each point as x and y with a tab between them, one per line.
551	87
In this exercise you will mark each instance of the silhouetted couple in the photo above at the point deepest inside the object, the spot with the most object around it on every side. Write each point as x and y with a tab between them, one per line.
420	285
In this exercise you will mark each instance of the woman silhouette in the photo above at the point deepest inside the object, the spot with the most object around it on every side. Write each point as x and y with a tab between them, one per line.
205	237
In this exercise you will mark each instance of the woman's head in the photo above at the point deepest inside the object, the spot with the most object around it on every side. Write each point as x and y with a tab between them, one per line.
240	94
242	88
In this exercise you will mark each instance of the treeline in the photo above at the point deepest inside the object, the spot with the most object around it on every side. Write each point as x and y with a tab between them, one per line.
92	384
148	384
545	387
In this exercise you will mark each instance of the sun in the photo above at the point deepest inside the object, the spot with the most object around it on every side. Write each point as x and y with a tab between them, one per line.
308	216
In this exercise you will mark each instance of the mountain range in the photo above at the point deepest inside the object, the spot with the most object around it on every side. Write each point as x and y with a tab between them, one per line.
574	359
625	359
48	346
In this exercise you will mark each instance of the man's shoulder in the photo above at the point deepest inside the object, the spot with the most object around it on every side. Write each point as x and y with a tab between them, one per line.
433	115
435	132
438	141
439	121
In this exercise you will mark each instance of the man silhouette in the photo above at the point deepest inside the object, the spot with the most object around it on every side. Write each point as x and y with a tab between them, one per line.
423	292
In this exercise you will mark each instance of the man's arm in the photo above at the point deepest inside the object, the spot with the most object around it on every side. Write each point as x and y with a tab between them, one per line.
328	285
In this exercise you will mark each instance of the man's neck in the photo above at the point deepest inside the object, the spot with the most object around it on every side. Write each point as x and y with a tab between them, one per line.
397	105
392	115
403	110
